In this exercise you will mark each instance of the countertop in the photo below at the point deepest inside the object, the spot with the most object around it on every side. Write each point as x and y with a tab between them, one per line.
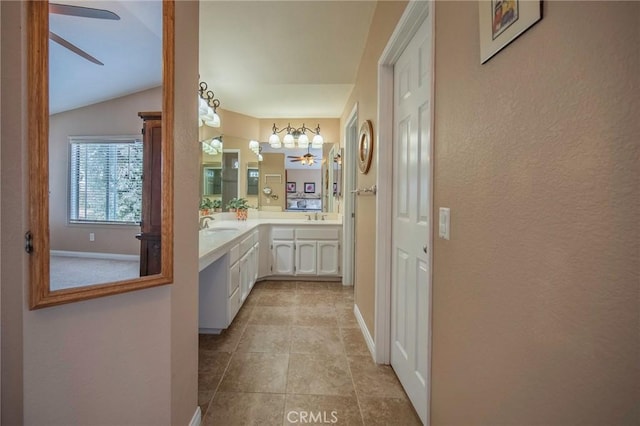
223	234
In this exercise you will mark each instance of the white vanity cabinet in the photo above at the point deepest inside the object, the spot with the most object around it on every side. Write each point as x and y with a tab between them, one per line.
225	284
312	250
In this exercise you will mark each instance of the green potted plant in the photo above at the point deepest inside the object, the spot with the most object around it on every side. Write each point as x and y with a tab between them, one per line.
232	205
242	207
205	205
217	205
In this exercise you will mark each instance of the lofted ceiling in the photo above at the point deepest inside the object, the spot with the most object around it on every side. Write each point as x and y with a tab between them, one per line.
283	59
131	50
266	59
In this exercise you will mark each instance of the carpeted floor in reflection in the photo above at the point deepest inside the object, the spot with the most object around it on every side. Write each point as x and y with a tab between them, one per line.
67	272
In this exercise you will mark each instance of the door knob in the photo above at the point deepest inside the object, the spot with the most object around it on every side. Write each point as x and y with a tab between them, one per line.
424	248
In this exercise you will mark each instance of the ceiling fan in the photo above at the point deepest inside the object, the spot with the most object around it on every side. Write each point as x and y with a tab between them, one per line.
82	12
307	158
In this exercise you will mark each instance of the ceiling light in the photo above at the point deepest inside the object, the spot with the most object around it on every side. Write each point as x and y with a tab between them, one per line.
207	106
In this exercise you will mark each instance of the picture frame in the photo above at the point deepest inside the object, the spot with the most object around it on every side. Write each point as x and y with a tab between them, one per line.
310	187
291	187
502	21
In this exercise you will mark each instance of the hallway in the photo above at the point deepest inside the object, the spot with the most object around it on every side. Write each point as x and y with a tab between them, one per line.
295	355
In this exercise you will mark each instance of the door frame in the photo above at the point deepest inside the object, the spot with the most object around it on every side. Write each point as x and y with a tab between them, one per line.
349	167
416	12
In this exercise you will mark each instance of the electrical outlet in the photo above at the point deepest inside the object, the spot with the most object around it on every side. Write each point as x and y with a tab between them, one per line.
92	236
444	223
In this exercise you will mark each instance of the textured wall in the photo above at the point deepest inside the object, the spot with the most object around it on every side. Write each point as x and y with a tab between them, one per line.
536	295
365	94
115	117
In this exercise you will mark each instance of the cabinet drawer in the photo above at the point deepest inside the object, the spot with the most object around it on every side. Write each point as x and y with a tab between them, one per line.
245	245
234	254
318	233
282	234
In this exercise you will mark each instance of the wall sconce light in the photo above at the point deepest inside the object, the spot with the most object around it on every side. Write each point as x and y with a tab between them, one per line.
213	146
207	106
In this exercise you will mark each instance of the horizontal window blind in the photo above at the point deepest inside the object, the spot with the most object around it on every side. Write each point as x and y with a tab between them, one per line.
105	181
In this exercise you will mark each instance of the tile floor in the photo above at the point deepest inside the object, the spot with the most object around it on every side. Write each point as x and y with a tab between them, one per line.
295	355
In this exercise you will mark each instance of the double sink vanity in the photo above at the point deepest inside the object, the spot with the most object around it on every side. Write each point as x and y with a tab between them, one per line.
235	254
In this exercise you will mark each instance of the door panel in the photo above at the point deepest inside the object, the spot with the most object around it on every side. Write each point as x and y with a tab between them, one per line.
411	219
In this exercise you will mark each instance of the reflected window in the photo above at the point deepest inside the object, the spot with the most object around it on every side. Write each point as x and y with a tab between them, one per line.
252	181
212	178
105	180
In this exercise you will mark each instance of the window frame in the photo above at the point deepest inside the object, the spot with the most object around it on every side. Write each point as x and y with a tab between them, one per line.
95	139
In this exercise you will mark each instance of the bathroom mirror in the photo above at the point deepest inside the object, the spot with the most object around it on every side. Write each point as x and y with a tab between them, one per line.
156	18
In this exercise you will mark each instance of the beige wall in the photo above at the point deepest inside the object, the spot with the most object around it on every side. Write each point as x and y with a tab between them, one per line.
365	94
536	295
111	118
14	216
125	359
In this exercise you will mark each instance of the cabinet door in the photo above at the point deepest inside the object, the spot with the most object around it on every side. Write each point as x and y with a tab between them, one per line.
282	263
245	281
328	258
256	262
306	258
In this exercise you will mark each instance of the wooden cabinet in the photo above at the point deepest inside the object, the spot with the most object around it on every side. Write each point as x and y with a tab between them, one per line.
151	214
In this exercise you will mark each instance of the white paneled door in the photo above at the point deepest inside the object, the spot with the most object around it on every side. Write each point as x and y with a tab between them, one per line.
411	275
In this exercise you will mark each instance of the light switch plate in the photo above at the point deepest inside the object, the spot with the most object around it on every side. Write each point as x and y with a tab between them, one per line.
444	223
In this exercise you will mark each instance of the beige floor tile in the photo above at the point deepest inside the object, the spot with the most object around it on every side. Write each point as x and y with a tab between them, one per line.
211	367
354	343
245	409
256	372
277	285
346	317
272	315
311	287
321	409
373	380
310	340
316	299
319	374
265	338
388	411
226	341
315	316
278	298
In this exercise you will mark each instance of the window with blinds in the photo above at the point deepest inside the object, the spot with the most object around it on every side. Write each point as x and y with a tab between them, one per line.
105	180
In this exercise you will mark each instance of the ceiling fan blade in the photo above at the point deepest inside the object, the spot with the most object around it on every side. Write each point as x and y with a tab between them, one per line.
72	47
81	11
293	156
293	161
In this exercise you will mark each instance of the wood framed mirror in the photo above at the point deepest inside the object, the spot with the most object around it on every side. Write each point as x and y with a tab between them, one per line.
41	193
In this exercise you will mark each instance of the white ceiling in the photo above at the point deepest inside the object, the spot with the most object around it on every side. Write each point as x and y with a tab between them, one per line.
131	50
292	59
266	59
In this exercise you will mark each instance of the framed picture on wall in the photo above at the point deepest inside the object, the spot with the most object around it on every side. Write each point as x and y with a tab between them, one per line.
310	187
502	21
291	187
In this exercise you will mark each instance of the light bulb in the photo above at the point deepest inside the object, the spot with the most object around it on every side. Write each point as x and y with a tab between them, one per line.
260	157
317	141
277	145
274	140
303	141
288	141
254	145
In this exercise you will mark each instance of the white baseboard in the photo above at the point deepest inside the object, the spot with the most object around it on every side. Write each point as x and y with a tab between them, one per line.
197	417
94	255
365	331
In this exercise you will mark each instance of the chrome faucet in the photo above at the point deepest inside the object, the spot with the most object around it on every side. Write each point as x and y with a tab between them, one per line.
308	216
204	223
316	214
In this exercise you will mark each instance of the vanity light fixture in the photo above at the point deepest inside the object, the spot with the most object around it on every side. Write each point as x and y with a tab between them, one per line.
295	134
212	146
207	106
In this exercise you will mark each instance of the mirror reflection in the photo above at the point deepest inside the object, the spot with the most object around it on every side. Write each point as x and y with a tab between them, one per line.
97	153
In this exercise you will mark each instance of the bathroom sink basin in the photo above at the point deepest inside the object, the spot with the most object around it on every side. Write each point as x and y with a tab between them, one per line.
220	231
